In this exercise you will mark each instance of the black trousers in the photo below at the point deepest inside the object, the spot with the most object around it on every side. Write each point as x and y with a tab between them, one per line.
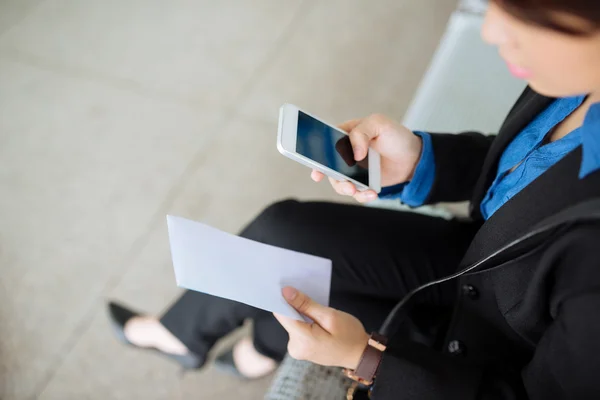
378	256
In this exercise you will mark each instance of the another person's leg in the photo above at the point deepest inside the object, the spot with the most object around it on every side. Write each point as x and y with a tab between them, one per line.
378	256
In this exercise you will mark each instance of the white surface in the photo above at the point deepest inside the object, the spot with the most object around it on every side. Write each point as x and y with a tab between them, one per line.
467	85
474	6
221	264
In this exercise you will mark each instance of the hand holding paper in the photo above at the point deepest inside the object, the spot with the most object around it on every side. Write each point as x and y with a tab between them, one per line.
214	262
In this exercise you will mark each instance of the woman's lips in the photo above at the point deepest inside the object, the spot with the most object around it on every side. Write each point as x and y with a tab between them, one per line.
519	72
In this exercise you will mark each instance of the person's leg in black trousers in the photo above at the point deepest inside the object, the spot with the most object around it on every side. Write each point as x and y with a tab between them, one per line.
378	256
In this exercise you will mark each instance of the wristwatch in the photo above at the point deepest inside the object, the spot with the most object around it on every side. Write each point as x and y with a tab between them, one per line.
365	371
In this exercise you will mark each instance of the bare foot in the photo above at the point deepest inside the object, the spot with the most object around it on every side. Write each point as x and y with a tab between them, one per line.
250	362
149	332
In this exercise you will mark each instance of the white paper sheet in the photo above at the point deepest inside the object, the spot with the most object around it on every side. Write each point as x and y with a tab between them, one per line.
211	261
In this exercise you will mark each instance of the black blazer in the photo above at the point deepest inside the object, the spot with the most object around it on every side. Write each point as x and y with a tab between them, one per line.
527	324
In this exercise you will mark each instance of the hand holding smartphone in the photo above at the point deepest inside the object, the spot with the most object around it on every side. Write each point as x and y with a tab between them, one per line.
376	151
325	148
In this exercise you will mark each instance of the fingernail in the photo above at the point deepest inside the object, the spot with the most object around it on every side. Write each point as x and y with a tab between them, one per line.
289	293
371	195
357	150
348	191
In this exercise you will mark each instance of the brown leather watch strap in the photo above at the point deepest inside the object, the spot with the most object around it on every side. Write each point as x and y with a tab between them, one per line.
369	361
368	364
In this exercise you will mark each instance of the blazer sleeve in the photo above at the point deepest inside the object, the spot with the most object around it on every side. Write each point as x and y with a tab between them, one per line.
458	162
565	363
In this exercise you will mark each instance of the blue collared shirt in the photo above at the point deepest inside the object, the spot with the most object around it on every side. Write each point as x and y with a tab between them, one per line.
527	152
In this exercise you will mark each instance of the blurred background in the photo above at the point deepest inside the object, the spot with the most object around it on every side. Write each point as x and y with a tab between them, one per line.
115	113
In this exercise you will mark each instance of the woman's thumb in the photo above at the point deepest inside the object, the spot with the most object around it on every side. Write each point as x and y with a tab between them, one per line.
304	304
360	142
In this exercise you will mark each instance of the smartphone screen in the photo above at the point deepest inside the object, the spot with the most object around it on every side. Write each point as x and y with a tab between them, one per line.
330	147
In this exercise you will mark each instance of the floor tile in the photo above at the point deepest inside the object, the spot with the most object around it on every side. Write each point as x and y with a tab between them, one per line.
350	58
229	187
101	368
83	170
98	367
202	51
12	11
243	174
240	175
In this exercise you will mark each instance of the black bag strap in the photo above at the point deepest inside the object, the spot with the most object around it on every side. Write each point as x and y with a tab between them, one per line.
588	210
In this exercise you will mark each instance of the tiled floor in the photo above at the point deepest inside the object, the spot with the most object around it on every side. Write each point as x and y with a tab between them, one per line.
114	113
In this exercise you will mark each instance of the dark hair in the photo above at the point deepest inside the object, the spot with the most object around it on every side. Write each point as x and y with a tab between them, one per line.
543	13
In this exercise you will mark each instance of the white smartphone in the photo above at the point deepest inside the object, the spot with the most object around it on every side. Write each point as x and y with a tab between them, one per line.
321	146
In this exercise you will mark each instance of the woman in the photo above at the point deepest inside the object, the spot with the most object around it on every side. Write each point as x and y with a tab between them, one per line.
525	324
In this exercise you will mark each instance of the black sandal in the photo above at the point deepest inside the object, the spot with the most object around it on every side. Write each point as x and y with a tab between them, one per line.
119	315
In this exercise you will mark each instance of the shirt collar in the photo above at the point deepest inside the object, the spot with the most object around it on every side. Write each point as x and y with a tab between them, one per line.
590	141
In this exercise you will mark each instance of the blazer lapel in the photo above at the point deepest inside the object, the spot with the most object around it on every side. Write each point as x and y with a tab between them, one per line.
556	189
528	106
